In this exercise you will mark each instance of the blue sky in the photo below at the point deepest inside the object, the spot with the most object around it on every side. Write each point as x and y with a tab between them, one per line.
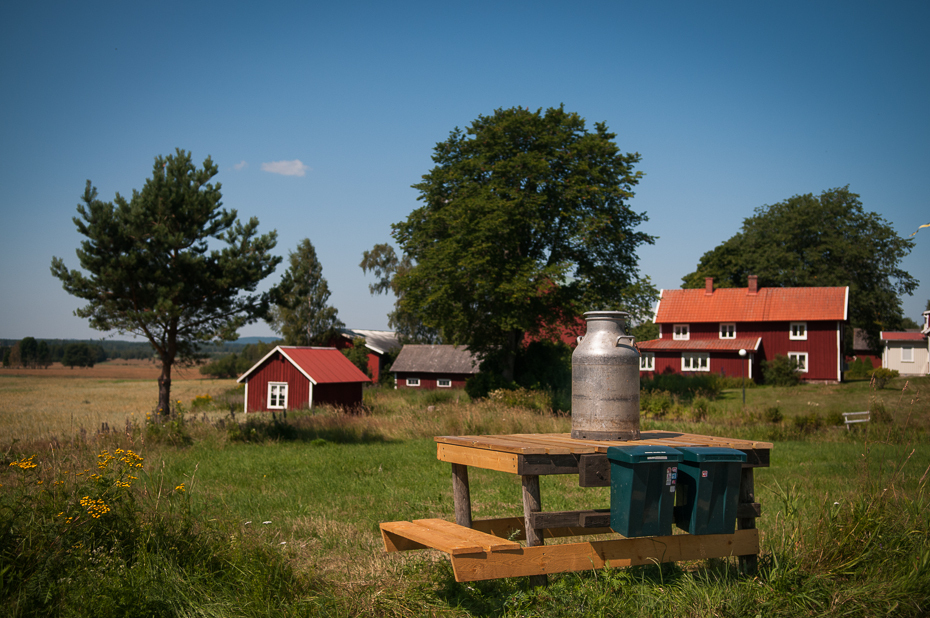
732	105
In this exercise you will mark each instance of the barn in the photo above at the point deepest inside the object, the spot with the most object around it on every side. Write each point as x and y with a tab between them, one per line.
433	366
291	377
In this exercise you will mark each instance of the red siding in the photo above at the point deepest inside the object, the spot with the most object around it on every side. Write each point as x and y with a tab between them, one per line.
428	381
821	346
276	369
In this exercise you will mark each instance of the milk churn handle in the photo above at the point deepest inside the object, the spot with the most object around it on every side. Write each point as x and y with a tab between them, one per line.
579	338
631	339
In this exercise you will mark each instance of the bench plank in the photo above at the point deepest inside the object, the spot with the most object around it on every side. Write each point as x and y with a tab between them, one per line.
424	537
599	554
488	542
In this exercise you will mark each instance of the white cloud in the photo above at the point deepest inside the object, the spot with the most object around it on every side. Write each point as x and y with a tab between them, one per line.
241	165
286	168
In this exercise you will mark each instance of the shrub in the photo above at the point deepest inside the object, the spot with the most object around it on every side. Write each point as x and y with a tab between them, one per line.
478	386
859	368
807	423
773	414
881	376
781	371
699	409
656	403
878	413
522	398
835	418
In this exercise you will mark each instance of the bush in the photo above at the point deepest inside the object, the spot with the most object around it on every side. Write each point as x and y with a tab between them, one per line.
656	403
881	376
773	415
807	423
859	368
685	387
478	386
699	409
781	371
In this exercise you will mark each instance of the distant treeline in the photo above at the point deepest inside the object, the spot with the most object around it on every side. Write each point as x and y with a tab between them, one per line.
40	353
235	364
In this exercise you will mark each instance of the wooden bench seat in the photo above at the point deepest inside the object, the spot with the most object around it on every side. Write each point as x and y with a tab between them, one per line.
478	555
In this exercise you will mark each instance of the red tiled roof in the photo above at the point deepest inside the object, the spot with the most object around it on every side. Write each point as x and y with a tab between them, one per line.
716	345
320	365
737	305
902	336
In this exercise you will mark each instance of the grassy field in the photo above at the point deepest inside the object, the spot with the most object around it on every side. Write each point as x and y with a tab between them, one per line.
255	517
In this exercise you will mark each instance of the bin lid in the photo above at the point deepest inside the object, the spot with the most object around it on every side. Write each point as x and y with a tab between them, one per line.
642	454
700	454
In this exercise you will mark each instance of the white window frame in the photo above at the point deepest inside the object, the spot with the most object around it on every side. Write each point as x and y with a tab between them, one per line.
802	360
797	331
728	331
695	361
277	395
909	358
647	362
681	332
444	383
413	381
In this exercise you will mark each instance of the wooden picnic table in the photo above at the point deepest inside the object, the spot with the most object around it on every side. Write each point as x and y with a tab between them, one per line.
487	548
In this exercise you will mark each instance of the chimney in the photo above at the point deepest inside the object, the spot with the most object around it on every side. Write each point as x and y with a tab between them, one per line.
708	285
753	285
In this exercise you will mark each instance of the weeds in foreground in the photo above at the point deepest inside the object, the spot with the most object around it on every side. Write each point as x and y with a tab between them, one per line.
110	539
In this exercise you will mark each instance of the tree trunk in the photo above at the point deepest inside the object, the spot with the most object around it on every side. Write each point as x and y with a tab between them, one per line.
164	387
514	339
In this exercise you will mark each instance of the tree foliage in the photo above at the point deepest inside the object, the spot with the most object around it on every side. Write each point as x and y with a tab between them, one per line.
814	241
300	313
383	263
358	354
524	222
151	271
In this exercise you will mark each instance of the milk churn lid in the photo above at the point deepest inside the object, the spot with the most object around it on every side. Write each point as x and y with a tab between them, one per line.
643	454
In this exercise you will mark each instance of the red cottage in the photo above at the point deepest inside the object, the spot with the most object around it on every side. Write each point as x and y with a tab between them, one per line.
705	330
433	366
291	377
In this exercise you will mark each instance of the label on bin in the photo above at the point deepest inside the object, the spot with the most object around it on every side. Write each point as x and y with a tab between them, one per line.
658	457
703	474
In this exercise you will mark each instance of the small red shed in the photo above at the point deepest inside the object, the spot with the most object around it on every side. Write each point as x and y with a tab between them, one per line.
291	377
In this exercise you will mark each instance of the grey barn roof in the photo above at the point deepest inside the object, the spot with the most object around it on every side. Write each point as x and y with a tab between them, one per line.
379	341
435	359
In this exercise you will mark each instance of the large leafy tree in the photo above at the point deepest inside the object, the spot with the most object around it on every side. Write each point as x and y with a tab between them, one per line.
813	241
169	264
383	263
524	222
300	313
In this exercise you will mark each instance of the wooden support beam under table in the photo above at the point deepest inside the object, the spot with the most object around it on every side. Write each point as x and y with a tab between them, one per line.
532	503
748	563
461	495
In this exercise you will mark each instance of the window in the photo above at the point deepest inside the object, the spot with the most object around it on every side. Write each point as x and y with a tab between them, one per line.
680	332
798	331
907	354
647	362
277	395
695	361
444	383
413	381
728	331
801	359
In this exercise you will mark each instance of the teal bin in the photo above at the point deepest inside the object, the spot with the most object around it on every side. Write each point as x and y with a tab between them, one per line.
708	488
642	489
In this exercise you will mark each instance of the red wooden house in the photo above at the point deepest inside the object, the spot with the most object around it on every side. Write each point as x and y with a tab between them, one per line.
705	331
433	366
292	377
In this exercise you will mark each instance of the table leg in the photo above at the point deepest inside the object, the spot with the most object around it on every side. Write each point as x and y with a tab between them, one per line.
461	497
532	503
747	493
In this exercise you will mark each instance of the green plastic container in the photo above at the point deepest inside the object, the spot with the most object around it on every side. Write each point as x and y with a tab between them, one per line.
642	489
708	487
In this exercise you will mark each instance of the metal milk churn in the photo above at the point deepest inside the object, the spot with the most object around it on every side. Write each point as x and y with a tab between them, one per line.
605	380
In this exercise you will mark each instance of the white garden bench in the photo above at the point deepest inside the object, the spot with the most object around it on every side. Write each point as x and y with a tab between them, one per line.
851	418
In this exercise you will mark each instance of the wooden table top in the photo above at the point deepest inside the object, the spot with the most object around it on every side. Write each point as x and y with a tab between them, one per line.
564	444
